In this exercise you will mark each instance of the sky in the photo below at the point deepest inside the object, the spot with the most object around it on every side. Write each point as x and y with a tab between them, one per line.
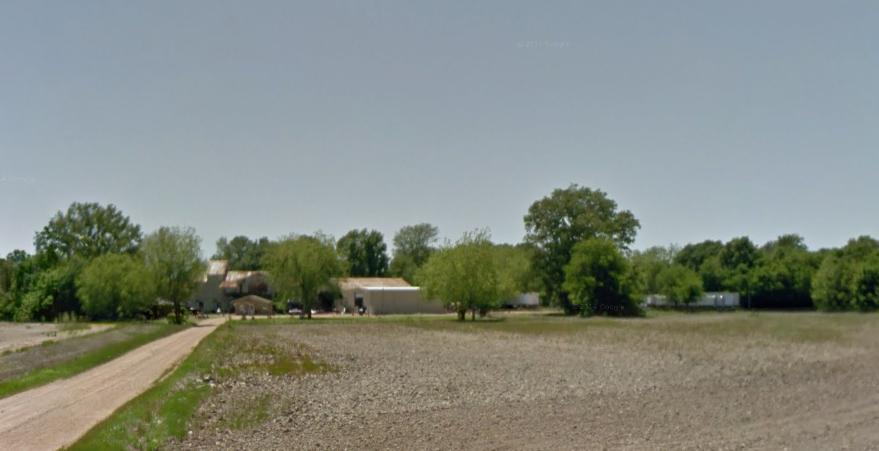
708	120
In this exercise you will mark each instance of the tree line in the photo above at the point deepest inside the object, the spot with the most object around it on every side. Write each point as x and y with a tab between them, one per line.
92	260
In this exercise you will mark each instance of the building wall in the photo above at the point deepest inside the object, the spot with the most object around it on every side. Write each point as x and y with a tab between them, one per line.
209	295
390	301
255	307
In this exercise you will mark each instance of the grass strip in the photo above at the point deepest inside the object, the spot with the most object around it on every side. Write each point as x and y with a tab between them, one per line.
168	410
147	421
86	362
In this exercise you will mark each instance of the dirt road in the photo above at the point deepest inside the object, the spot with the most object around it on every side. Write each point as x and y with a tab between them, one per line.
57	414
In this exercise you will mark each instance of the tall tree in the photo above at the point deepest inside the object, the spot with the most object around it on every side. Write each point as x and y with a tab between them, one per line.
242	253
860	248
115	286
413	245
783	276
648	264
738	258
365	252
600	280
556	223
173	258
302	267
832	286
416	241
866	287
88	230
469	276
694	255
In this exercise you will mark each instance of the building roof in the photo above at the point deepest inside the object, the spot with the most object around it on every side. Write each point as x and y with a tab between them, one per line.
241	275
217	267
353	283
234	278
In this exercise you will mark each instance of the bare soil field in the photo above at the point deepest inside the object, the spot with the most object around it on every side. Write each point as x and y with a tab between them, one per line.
14	336
57	414
795	381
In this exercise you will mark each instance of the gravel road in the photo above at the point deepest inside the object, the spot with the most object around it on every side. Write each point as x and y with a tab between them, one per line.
55	415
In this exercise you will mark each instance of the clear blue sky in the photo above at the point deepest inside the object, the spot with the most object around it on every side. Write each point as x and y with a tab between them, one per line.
706	119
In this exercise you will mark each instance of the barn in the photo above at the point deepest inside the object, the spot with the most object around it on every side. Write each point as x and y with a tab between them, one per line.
384	296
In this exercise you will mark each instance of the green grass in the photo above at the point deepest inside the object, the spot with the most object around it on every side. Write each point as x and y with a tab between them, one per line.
256	413
86	362
167	409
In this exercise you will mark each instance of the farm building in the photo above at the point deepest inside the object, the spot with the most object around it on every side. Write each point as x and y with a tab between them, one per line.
384	296
716	300
208	296
239	283
218	285
252	305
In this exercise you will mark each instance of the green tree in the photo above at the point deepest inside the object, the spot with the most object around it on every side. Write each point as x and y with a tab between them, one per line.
860	249
738	258
783	277
712	273
832	285
467	276
50	293
600	280
518	262
417	241
365	253
648	264
242	253
20	272
87	230
556	223
680	284
302	267
866	288
115	286
694	255
403	266
172	256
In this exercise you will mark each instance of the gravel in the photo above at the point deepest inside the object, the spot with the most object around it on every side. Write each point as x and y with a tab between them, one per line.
396	386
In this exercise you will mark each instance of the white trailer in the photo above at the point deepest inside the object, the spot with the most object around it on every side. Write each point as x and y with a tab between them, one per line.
724	300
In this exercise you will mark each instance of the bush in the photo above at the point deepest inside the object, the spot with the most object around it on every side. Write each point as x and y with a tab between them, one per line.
600	281
680	284
866	289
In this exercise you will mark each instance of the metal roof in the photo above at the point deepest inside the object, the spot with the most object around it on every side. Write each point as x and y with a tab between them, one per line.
217	267
372	282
